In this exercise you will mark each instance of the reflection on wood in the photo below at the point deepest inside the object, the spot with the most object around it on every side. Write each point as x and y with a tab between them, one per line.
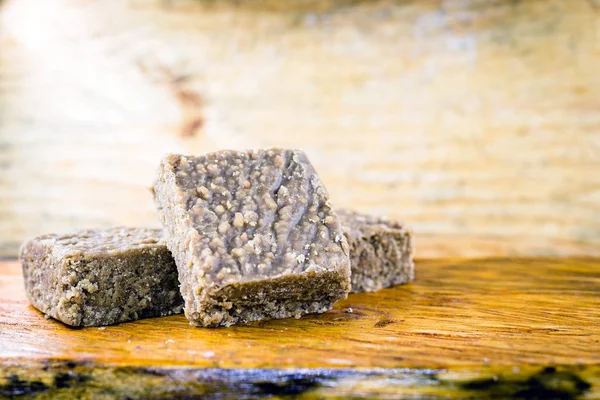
464	118
456	313
463	329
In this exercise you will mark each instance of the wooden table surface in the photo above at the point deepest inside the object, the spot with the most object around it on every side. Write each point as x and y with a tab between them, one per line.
464	328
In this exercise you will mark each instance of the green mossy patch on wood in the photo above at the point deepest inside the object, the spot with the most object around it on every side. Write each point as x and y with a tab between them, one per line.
548	383
65	379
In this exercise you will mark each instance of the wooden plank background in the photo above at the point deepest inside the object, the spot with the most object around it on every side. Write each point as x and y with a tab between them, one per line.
477	122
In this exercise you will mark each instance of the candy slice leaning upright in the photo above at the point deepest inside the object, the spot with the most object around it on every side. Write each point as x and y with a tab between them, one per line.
253	235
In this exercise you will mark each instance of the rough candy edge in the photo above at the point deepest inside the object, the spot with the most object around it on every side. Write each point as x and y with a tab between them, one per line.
333	284
52	308
163	189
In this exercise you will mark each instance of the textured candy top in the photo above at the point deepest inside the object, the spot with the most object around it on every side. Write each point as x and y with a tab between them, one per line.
356	224
94	243
254	215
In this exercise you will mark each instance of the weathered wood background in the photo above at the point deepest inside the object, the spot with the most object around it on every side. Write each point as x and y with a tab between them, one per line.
476	121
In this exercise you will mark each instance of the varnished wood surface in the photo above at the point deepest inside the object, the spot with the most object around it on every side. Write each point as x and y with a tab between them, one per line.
466	118
456	313
464	329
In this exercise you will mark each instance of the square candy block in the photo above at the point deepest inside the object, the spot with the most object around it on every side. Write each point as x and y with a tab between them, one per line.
101	276
381	251
253	235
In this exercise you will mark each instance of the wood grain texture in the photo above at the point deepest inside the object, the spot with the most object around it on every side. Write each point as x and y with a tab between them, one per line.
527	328
468	119
456	313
